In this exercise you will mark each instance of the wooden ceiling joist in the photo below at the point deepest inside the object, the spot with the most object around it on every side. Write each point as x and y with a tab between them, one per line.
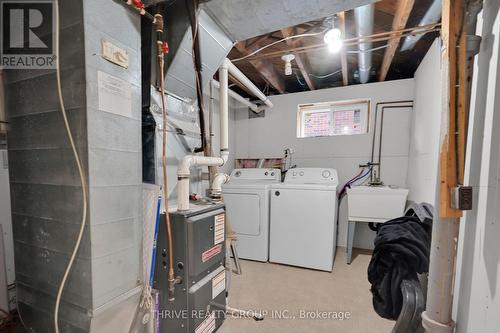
300	59
264	67
403	11
343	53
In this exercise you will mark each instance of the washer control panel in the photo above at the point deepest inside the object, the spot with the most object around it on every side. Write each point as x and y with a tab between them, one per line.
312	176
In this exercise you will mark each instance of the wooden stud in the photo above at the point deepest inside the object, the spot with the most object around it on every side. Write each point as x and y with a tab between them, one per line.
400	19
452	68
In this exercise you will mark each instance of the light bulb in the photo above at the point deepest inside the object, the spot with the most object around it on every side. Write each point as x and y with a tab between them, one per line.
333	38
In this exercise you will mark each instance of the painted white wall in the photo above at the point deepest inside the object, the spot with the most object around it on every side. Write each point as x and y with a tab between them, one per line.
477	301
270	135
425	130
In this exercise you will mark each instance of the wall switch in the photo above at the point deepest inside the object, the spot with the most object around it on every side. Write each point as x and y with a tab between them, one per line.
461	197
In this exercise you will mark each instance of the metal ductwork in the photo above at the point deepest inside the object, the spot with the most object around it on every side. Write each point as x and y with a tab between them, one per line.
243	19
364	27
214	48
102	290
432	15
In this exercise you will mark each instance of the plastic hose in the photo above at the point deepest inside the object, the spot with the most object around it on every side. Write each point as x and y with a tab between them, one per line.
83	181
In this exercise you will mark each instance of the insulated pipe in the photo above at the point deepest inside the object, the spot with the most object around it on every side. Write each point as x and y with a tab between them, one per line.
246	82
432	15
364	26
254	107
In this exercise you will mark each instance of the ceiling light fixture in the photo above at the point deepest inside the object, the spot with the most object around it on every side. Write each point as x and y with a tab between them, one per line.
287	58
333	39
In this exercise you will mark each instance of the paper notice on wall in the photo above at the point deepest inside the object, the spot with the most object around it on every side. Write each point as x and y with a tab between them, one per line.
115	95
218	284
207	326
220	228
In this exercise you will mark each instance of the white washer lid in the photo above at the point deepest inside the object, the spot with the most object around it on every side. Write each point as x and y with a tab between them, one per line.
298	186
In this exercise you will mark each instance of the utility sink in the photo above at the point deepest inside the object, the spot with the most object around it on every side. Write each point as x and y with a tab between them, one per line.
376	203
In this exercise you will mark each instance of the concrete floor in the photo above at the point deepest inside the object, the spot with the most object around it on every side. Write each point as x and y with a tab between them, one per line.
290	290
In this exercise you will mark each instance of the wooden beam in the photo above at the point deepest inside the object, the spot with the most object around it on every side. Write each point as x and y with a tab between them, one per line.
400	19
453	117
254	41
264	67
343	53
300	59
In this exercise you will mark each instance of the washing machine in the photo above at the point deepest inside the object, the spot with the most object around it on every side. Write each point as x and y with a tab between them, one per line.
303	229
247	199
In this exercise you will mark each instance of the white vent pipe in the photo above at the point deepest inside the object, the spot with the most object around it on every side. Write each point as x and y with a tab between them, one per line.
364	27
254	107
238	75
189	161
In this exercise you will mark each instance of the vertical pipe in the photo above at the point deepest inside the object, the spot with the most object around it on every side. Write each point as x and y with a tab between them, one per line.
224	107
364	16
212	171
438	314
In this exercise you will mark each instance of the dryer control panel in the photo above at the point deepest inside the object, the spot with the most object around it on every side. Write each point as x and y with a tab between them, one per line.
256	174
312	176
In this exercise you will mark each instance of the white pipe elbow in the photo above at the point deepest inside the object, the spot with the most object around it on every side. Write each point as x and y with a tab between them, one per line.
219	180
184	169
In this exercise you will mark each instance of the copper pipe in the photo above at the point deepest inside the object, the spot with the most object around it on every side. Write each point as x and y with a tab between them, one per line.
406	104
161	65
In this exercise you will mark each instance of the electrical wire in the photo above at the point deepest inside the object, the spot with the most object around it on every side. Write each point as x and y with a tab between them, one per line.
326	75
83	181
279	41
298	80
369	50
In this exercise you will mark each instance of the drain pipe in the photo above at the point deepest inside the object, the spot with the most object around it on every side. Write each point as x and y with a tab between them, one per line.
364	27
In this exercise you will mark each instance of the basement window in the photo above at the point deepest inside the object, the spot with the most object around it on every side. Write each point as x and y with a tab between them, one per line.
333	118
